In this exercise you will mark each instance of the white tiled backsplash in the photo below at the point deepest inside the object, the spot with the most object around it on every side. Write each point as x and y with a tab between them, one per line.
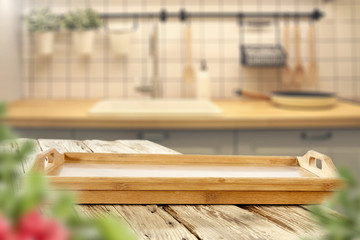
65	75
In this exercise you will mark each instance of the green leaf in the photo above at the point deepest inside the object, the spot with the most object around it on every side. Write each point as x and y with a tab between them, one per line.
42	20
345	224
82	20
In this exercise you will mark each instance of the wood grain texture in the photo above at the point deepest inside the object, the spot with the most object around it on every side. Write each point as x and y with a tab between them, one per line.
199	197
145	146
292	218
151	222
99	146
63	145
226	222
237	114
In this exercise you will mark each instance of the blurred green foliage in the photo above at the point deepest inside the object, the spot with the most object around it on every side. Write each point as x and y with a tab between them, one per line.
344	222
20	194
82	20
42	20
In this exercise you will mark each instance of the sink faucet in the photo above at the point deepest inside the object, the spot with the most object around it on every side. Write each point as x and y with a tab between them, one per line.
155	88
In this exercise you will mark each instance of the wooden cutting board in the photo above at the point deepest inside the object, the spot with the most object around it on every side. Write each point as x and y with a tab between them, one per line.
104	178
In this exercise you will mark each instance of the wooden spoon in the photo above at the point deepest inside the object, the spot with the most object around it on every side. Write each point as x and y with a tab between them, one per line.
189	72
286	71
313	76
299	73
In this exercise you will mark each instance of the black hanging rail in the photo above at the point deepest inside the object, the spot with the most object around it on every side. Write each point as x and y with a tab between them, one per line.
183	15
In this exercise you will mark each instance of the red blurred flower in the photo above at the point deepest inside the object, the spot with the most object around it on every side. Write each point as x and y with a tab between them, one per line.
33	226
5	229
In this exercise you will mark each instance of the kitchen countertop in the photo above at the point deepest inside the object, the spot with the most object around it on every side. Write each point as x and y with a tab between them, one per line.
189	222
237	114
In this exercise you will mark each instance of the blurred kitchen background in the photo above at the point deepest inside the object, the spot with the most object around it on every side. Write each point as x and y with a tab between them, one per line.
215	40
106	73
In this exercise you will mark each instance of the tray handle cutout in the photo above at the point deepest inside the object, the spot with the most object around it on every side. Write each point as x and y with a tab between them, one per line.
48	161
318	163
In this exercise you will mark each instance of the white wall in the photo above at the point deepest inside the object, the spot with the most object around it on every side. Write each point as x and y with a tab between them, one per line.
10	71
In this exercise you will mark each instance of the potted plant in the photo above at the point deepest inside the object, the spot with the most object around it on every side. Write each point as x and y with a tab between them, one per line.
31	209
120	36
43	24
83	24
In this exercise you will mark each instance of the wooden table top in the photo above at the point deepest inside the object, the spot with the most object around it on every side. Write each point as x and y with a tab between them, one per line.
186	222
237	114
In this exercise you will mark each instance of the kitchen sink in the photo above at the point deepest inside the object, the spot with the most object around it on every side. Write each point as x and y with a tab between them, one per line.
192	107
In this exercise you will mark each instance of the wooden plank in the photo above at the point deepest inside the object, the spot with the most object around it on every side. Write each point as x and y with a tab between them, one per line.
292	218
144	146
63	145
227	222
92	211
148	222
99	146
151	222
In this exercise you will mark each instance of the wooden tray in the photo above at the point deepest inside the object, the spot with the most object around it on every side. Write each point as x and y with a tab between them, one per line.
190	179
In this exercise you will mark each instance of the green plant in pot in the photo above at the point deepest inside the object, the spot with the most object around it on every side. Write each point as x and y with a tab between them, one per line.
83	24
43	24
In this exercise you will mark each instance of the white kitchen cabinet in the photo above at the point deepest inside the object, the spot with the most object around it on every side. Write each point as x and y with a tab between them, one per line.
183	141
343	146
105	134
44	133
193	142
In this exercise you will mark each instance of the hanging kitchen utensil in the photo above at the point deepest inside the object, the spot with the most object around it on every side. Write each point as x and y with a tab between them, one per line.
294	99
189	72
286	73
299	73
262	55
312	70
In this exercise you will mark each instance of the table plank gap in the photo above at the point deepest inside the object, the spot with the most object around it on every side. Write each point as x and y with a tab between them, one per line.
152	222
226	222
291	218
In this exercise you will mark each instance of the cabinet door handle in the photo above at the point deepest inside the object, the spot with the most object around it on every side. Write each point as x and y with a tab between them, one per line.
316	137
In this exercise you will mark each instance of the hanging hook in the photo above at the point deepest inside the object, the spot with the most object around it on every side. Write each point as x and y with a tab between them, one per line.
316	15
163	15
240	18
182	15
